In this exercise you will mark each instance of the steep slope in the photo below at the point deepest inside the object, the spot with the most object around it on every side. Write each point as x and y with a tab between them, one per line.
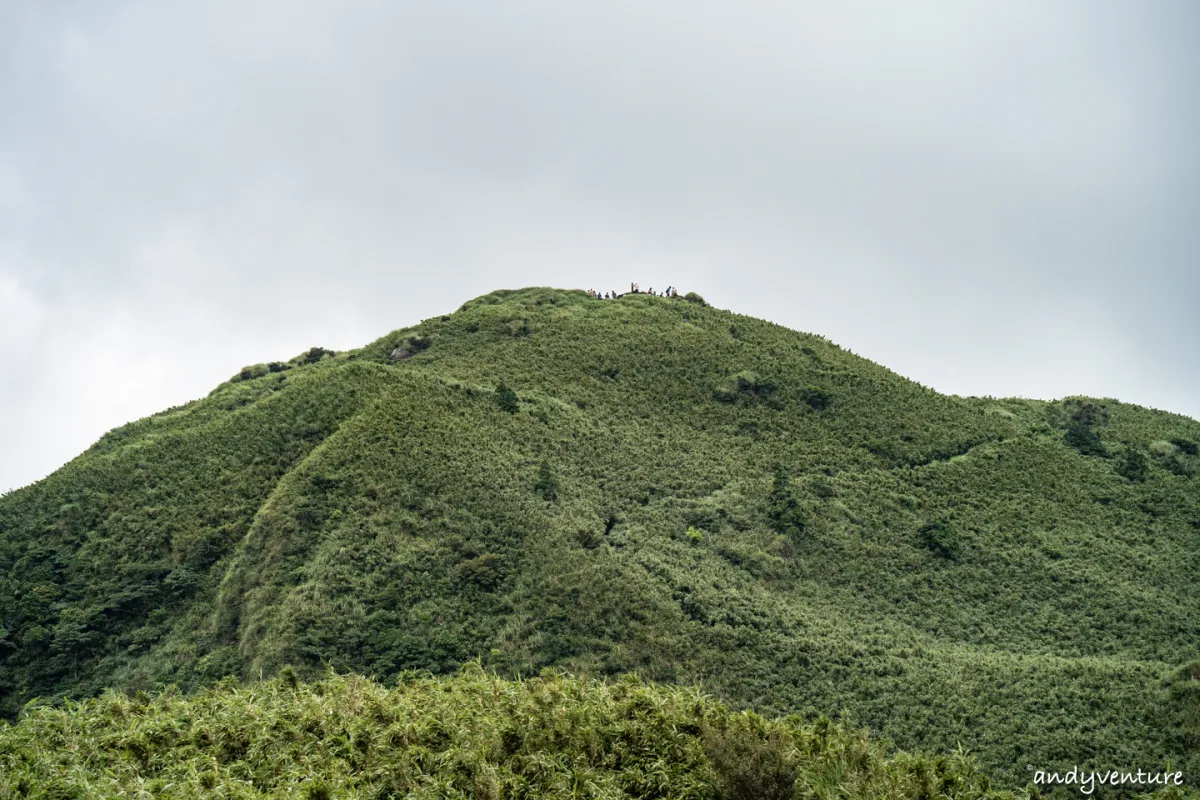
664	487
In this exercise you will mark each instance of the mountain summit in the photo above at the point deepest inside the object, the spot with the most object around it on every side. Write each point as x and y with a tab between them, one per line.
643	484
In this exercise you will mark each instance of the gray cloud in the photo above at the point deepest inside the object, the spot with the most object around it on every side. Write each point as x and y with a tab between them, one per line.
991	198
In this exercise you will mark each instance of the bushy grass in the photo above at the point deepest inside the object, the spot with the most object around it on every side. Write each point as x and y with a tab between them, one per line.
942	570
474	735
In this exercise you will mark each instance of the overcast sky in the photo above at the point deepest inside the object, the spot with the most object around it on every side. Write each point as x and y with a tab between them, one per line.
988	197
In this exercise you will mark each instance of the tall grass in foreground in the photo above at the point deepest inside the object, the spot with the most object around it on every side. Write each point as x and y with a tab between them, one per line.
473	735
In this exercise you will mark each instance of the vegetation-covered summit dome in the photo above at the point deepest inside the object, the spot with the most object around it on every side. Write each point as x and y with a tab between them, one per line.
648	484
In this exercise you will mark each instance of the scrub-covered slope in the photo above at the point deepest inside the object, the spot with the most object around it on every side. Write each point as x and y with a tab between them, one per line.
644	484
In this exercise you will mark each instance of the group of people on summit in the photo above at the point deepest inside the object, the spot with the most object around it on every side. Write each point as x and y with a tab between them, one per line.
633	289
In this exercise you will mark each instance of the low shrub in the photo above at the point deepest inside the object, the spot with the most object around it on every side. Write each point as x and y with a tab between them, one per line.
783	509
1178	465
507	399
891	451
1173	456
1080	436
817	398
484	571
941	538
316	354
547	483
1086	412
250	373
1133	466
1187	446
1162	448
748	389
752	761
822	488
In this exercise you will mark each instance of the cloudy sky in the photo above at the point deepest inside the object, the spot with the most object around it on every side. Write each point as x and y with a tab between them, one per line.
988	197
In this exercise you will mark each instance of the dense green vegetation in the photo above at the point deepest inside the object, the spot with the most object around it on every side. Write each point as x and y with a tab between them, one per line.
470	736
542	479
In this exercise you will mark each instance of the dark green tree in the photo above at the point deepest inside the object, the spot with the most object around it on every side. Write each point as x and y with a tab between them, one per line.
942	538
1133	465
1187	446
783	509
817	398
507	399
1081	436
315	354
547	483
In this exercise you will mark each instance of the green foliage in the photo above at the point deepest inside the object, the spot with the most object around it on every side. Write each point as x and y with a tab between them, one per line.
316	354
1162	448
485	571
1184	692
1082	417
410	346
1187	446
379	516
547	483
692	297
1133	466
942	538
1178	465
256	371
1087	413
752	760
783	509
1182	705
817	398
747	388
472	735
506	398
822	488
1081	436
1175	456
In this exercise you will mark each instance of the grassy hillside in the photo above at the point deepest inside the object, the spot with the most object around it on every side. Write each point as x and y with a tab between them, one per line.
542	479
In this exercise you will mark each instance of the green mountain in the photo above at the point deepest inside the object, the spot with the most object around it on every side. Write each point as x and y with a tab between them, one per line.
541	479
